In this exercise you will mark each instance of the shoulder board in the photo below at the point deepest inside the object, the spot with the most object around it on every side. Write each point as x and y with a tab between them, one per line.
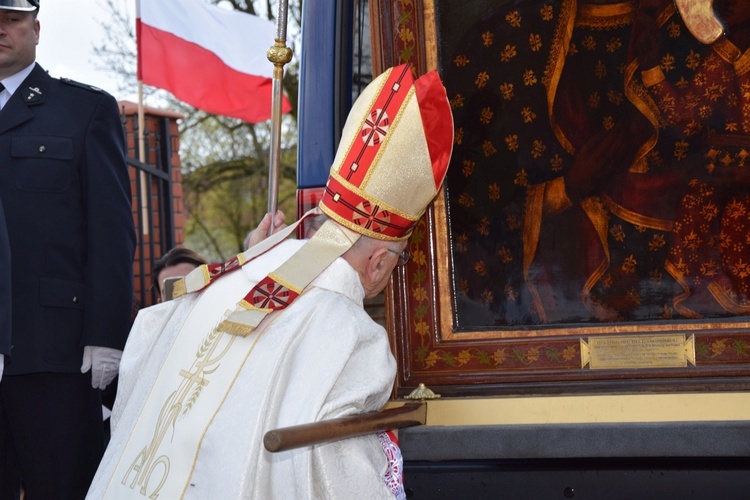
82	85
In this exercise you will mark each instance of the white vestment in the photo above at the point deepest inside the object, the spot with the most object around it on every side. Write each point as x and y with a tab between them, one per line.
321	358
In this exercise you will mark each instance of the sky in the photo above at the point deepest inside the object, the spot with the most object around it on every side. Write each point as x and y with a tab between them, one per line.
69	31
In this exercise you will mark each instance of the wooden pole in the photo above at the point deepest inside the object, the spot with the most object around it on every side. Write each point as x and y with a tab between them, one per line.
297	436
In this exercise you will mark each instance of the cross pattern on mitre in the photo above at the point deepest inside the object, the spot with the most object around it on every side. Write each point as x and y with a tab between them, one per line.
375	127
370	217
358	211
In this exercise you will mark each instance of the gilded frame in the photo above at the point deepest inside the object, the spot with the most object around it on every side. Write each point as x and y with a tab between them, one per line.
420	300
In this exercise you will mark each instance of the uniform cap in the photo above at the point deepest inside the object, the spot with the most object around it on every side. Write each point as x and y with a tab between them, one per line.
393	155
19	5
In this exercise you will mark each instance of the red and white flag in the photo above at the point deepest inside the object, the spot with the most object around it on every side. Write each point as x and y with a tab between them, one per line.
209	57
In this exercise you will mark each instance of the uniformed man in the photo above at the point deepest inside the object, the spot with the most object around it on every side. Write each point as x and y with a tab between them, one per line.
5	296
65	191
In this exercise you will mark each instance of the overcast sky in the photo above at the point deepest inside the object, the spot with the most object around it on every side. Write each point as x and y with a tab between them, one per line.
69	31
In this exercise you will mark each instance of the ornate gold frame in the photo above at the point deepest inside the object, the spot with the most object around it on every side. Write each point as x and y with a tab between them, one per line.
420	308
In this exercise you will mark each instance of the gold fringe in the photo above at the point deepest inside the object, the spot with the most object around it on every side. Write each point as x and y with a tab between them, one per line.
233	328
179	288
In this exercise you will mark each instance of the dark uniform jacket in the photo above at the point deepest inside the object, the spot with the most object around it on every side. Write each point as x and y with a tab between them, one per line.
65	191
5	301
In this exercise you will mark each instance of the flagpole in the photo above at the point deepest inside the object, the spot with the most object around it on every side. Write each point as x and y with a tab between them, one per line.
279	54
142	160
141	127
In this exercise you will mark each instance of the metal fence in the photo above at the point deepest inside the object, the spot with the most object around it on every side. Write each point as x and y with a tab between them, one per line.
153	184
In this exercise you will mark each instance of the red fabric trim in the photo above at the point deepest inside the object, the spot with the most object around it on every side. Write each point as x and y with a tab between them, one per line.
360	211
437	121
200	78
393	436
379	119
216	270
269	294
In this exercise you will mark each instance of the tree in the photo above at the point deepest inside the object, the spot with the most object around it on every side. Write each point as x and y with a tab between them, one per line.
225	161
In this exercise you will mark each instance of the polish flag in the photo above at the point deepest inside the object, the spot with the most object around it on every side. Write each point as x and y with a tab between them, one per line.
211	58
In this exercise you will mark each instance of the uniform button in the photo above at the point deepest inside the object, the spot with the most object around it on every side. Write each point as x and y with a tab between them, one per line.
42	149
75	300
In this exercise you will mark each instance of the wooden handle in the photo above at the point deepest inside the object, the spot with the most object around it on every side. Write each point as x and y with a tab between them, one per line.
287	438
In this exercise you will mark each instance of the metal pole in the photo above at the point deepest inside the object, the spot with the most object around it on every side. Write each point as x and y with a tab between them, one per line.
279	54
142	158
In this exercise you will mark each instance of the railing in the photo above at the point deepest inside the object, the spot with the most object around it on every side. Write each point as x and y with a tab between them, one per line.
154	184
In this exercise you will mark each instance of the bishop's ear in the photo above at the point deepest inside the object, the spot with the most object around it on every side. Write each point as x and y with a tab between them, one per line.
377	265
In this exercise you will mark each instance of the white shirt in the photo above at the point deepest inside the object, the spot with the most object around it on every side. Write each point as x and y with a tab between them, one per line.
12	83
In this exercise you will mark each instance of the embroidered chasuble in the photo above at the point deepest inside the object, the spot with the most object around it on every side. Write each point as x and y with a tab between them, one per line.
278	336
193	424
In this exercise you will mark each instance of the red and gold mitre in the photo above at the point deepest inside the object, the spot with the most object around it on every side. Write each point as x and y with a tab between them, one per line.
393	155
390	164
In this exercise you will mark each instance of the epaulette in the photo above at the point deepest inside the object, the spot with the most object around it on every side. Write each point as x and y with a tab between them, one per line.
82	85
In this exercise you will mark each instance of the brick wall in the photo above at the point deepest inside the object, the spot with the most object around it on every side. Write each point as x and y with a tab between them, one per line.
156	186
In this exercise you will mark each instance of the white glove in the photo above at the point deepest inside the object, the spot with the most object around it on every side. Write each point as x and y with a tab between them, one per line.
104	362
2	365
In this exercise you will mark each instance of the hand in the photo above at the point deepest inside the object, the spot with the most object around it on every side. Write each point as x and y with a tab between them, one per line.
260	233
104	363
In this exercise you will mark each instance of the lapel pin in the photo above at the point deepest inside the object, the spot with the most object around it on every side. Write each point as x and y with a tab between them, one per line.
34	93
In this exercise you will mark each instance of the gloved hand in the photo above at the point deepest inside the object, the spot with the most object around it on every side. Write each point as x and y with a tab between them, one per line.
104	363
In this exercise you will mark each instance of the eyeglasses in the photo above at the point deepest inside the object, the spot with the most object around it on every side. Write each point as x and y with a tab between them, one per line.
403	257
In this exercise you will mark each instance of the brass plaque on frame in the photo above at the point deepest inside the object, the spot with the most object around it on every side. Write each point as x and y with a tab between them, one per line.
639	351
